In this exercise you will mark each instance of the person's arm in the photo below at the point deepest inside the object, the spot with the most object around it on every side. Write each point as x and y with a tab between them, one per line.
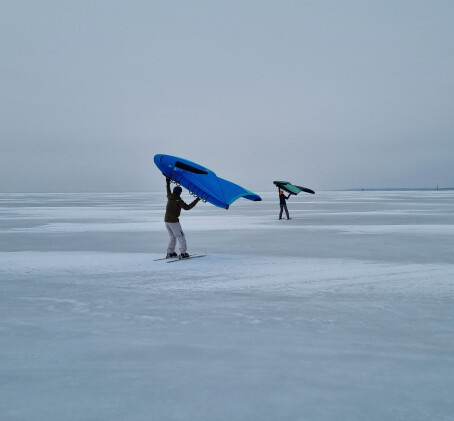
185	206
288	196
168	185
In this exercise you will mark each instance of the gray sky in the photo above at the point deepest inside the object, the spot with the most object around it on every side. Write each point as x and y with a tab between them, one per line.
325	94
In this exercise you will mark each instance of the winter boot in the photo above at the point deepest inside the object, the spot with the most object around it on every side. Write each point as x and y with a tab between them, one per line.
169	255
183	256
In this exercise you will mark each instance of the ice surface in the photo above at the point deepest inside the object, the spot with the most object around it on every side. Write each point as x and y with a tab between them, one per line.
345	312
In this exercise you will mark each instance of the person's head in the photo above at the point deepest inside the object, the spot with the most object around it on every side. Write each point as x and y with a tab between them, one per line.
280	191
177	190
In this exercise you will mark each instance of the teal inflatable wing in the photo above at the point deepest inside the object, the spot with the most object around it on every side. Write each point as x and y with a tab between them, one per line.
290	188
202	182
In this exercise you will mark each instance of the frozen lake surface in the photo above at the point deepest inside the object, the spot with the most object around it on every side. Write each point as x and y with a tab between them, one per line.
345	312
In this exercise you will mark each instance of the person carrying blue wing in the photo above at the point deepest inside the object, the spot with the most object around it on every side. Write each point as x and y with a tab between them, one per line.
174	205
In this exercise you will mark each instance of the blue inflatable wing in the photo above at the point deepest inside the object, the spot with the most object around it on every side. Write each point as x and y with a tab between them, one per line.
202	182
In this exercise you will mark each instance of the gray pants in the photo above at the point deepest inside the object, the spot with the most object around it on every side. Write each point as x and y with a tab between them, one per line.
176	233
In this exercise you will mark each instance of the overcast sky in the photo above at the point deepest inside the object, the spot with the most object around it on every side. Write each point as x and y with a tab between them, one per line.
325	94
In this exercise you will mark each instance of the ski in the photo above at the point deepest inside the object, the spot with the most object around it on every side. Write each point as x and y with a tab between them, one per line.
171	258
191	256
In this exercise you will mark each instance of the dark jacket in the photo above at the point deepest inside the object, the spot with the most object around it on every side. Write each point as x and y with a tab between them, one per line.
174	205
282	198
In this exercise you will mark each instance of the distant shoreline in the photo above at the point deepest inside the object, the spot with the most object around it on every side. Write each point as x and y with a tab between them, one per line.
259	191
402	189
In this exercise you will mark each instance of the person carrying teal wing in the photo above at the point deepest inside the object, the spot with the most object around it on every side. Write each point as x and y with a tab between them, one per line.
283	203
174	205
